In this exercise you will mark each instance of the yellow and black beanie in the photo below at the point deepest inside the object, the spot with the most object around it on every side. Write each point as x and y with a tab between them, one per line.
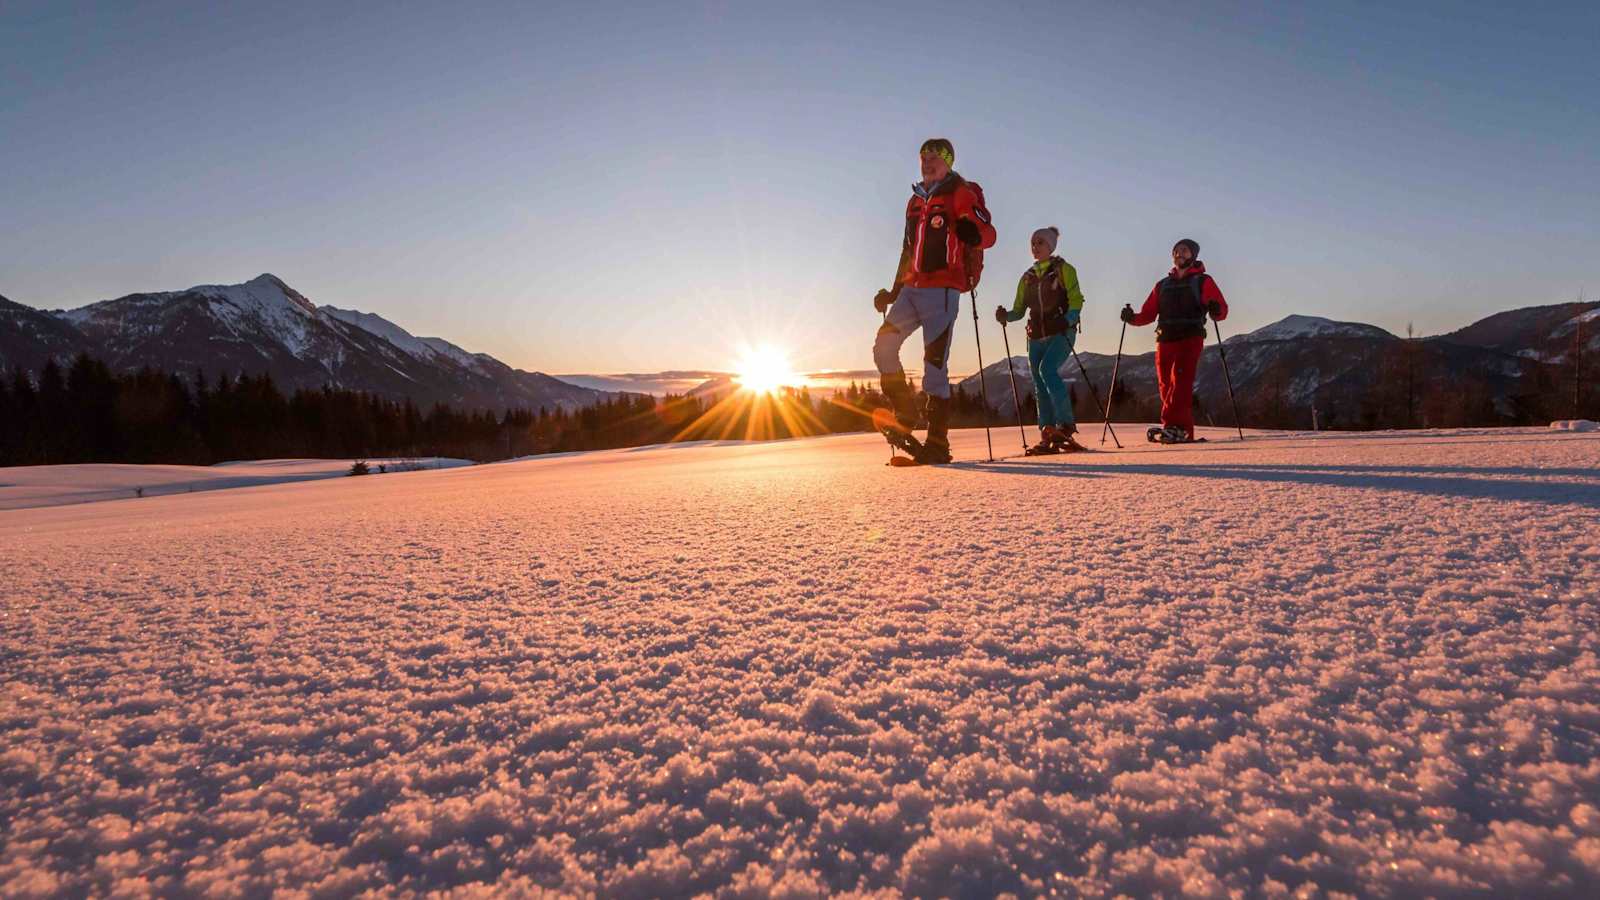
940	147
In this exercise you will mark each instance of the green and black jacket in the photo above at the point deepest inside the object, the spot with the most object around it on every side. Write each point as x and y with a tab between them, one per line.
1048	291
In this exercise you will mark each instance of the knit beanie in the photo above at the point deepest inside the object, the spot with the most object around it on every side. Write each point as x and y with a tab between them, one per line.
940	147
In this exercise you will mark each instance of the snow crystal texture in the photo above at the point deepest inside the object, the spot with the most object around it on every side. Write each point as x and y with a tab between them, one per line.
1297	666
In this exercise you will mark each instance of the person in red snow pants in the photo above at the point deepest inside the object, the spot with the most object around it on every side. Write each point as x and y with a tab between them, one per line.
1179	304
1176	364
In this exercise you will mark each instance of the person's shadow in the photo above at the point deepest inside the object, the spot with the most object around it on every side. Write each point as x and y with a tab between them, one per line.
1565	486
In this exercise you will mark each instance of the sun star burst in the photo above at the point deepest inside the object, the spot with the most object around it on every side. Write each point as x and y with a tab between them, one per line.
765	370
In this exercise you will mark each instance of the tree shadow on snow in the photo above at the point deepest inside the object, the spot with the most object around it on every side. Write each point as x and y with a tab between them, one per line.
1416	480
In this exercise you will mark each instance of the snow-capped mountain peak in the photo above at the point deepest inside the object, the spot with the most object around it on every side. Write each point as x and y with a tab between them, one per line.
262	305
263	325
1297	327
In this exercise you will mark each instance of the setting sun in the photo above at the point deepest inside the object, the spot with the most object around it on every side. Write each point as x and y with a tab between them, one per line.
765	369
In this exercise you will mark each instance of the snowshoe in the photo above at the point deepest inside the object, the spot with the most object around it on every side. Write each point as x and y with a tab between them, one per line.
1048	445
929	455
898	436
1169	435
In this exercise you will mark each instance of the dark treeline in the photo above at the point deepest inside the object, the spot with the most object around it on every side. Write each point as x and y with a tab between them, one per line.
87	413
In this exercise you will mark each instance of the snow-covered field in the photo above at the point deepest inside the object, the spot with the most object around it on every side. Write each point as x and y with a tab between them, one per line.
23	487
1301	664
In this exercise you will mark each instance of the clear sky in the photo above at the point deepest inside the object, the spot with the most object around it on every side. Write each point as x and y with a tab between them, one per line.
583	187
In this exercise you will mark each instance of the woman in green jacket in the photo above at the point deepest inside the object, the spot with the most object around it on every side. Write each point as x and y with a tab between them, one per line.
1049	293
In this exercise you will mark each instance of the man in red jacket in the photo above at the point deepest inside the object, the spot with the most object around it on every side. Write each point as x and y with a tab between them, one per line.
941	252
1178	304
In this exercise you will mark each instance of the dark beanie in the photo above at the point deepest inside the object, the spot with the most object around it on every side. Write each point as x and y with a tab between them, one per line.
1193	245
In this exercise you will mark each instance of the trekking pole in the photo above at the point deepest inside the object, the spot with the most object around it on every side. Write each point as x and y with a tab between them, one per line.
1111	392
1016	399
982	387
1229	378
891	446
1096	394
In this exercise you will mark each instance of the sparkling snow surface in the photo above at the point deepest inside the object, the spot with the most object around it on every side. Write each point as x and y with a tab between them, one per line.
1357	663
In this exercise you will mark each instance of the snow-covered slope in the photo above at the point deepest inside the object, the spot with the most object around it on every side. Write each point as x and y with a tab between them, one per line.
378	325
1544	333
1293	666
451	351
424	348
25	487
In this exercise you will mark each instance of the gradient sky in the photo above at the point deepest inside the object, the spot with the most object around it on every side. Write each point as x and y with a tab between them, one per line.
576	188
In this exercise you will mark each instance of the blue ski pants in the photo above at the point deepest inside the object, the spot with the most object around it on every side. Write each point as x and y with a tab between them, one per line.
1045	359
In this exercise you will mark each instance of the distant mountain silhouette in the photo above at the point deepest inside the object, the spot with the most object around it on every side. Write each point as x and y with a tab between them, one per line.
265	326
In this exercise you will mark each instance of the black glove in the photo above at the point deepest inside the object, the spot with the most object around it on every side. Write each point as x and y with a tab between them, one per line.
968	233
1214	308
1001	316
1127	314
882	301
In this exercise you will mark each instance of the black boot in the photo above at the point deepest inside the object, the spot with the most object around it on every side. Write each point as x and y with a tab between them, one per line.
936	446
901	399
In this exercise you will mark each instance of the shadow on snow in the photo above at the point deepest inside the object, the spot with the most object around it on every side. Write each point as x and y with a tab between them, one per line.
1410	479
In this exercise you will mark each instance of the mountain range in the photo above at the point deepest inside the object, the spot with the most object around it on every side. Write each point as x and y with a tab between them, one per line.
1353	374
265	326
1514	366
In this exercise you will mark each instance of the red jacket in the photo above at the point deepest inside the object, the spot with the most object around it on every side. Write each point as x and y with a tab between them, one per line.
932	255
1209	292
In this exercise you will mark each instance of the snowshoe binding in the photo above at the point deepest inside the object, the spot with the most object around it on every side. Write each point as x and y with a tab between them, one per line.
1053	440
1066	443
1049	443
896	433
933	453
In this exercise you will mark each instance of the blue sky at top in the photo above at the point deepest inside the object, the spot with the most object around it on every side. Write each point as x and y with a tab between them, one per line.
578	187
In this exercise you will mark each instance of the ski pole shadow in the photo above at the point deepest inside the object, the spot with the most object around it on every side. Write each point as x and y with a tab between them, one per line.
1508	483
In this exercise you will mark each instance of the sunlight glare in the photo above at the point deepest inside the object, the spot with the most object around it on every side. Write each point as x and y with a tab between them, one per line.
765	369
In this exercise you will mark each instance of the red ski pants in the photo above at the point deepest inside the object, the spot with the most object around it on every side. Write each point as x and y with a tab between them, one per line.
1176	365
